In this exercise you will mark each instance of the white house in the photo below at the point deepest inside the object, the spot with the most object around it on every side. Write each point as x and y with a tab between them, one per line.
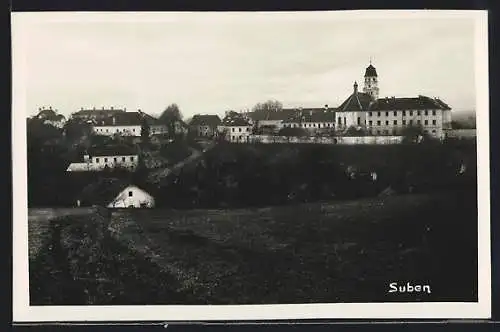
236	128
115	193
99	159
128	124
132	196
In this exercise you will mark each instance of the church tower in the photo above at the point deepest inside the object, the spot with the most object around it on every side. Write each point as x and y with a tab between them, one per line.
371	81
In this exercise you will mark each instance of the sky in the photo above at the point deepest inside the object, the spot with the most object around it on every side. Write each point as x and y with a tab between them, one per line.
213	62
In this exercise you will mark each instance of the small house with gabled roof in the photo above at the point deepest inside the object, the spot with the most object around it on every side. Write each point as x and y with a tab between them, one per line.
115	193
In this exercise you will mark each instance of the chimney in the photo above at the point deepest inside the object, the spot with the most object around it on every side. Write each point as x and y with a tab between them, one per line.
50	108
81	108
355	87
111	107
93	108
326	106
103	108
124	109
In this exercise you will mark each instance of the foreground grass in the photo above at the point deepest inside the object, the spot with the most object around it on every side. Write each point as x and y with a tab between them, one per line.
322	252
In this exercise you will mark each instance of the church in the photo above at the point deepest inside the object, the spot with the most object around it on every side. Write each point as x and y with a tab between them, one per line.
390	115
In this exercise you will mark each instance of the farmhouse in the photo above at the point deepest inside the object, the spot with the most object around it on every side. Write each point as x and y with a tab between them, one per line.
390	115
107	157
204	125
94	114
50	117
314	120
115	193
128	124
235	128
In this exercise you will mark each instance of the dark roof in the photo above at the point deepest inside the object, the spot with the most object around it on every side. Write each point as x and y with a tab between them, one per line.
103	191
109	150
236	121
356	102
418	103
128	119
313	115
286	114
370	71
48	114
98	112
205	120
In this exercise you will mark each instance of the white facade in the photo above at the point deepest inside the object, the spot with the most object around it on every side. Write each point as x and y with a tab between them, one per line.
99	163
117	130
132	197
237	134
132	130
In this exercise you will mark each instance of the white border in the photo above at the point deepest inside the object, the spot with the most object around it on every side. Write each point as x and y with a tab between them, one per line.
23	312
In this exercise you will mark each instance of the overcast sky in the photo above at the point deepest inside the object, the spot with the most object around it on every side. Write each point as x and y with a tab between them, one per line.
209	63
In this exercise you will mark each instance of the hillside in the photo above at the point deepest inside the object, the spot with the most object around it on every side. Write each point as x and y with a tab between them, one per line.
321	252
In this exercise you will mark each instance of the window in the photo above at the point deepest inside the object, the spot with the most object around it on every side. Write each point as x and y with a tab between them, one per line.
411	113
434	122
359	120
378	123
386	113
248	129
106	130
114	159
369	113
239	129
418	112
96	160
433	112
426	112
345	121
411	122
123	159
370	122
130	194
232	129
378	113
395	113
419	122
404	122
117	130
395	122
314	125
426	122
105	160
131	158
433	131
339	120
404	113
378	132
386	123
133	129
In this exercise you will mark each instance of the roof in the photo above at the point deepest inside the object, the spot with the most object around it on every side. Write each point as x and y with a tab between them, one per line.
286	114
356	102
313	115
98	112
109	150
49	114
205	120
370	71
103	191
235	122
128	119
417	103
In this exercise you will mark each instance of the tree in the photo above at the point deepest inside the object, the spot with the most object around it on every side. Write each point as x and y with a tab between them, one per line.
145	131
268	106
411	134
353	131
170	117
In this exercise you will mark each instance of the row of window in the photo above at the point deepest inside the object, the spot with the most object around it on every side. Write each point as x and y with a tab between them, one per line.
404	122
233	129
309	125
394	132
115	159
426	112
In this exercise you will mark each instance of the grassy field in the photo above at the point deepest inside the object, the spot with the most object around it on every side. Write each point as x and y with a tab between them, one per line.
320	252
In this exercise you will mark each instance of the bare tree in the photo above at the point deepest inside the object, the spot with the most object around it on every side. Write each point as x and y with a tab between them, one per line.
268	106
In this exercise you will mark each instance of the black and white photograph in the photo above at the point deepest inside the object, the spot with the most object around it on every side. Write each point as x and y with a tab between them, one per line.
250	165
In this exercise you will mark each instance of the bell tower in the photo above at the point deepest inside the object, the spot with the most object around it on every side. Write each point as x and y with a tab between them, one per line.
371	82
